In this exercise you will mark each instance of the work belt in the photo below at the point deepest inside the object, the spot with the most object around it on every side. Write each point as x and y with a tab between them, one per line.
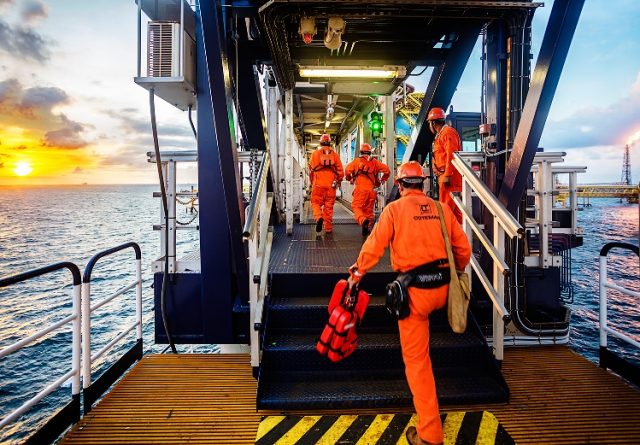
427	276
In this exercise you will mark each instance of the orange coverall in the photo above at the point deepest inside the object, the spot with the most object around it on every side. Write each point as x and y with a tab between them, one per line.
364	172
445	144
326	172
411	227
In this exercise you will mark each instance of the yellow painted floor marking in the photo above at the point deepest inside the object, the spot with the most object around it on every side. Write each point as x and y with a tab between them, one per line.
267	425
403	438
294	434
488	429
375	430
451	426
337	429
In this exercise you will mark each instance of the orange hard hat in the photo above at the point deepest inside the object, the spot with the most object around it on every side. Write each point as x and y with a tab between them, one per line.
325	139
410	172
435	113
365	148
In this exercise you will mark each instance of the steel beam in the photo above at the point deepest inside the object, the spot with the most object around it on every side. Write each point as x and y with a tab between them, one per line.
553	53
222	250
440	90
250	100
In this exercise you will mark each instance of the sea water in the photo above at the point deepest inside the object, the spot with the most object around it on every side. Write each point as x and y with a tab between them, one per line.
43	225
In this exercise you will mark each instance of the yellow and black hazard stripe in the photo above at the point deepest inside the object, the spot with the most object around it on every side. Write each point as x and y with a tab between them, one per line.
474	428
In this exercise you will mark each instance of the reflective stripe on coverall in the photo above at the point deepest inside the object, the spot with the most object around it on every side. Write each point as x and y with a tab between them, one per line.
445	144
411	227
327	170
365	174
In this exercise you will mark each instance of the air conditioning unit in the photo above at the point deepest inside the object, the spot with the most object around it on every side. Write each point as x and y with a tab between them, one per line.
163	51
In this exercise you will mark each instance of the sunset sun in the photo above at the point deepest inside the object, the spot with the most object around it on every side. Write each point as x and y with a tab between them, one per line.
22	169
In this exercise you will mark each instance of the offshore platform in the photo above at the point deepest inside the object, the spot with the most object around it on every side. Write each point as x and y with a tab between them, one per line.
266	79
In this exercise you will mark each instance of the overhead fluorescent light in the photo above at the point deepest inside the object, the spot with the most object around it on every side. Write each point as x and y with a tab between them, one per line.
383	72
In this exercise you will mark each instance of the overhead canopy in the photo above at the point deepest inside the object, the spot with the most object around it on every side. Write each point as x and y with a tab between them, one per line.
401	34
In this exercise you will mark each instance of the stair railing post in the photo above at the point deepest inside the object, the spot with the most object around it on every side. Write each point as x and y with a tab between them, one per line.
288	161
498	285
171	204
253	301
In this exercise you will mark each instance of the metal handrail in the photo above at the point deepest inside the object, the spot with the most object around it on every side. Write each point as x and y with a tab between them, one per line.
495	207
87	309
604	285
74	319
504	224
252	213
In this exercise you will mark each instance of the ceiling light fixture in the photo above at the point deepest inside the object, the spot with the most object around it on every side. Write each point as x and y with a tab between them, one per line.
383	72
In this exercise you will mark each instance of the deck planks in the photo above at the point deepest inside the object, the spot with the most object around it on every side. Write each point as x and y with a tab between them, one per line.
557	397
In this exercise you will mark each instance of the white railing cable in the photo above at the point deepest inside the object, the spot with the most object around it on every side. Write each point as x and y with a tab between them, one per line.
114	295
73	319
491	292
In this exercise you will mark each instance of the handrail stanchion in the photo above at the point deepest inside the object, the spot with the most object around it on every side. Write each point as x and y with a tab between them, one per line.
609	359
498	284
93	390
603	301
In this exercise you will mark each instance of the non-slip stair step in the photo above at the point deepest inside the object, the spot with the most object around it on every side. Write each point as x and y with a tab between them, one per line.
373	389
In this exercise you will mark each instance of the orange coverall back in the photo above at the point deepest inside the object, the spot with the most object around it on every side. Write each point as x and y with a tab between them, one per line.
326	172
445	144
411	226
365	173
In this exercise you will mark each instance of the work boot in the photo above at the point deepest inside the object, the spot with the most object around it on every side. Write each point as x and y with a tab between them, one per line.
414	439
365	227
319	223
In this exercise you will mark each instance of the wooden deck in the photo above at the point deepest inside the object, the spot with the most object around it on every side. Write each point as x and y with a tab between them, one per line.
557	397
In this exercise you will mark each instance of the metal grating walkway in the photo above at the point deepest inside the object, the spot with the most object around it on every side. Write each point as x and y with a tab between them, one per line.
557	397
307	252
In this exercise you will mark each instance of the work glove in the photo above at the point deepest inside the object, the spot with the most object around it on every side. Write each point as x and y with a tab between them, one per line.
446	179
334	184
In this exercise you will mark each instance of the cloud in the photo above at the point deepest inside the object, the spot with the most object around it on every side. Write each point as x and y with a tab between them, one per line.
43	97
77	170
67	136
32	109
609	125
6	3
33	11
23	43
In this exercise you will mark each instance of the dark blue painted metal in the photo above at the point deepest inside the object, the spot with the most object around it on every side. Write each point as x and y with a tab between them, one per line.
250	99
221	220
442	85
553	53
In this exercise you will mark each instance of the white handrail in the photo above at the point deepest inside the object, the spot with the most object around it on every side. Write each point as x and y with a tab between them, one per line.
88	309
504	224
73	319
604	285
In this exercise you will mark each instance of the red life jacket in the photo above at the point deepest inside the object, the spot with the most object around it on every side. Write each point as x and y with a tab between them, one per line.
339	338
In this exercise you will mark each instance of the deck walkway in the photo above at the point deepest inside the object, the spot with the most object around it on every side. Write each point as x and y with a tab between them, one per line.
557	397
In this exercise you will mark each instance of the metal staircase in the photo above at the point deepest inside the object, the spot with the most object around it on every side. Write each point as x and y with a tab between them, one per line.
293	376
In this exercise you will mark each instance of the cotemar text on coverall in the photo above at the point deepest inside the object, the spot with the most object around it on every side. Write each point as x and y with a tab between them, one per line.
326	172
445	144
364	172
411	227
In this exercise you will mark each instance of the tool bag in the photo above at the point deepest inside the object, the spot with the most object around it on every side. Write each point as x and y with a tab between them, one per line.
339	337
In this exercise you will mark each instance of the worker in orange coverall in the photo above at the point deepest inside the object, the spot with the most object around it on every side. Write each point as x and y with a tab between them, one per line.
445	143
326	172
364	172
411	226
